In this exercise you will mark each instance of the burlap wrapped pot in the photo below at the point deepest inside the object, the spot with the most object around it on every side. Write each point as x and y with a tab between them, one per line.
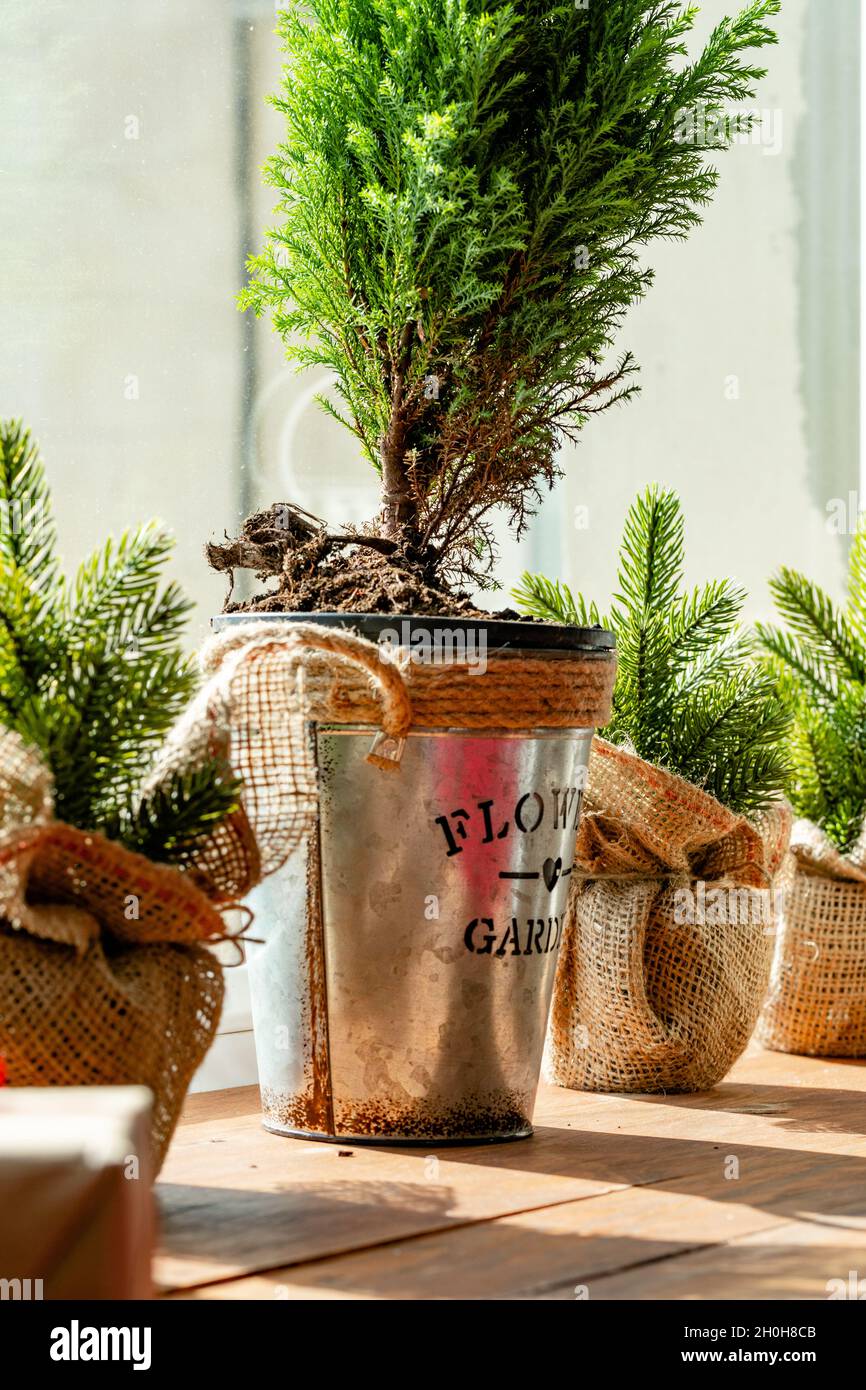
103	977
666	952
816	1003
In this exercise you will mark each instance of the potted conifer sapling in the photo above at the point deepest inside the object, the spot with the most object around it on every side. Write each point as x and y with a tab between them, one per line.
465	190
131	815
817	998
108	887
667	946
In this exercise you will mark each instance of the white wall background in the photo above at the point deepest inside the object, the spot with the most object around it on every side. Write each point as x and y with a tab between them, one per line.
748	342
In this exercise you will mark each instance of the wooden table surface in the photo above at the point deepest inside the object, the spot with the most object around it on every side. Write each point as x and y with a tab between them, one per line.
754	1190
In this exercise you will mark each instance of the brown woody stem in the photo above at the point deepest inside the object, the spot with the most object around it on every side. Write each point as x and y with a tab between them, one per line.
399	508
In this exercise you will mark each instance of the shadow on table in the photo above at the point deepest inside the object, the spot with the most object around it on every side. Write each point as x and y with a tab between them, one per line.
773	1177
226	1230
800	1109
503	1261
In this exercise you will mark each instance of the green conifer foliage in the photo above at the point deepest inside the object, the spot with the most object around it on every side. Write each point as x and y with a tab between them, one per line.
91	672
689	696
466	188
819	657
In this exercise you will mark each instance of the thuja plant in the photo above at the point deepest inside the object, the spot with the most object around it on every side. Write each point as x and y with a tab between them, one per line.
819	657
92	672
689	695
466	188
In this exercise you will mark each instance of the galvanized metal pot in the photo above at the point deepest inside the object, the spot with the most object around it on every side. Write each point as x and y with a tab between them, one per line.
404	983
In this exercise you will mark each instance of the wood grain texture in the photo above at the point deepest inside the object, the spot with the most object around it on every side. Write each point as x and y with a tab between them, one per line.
754	1190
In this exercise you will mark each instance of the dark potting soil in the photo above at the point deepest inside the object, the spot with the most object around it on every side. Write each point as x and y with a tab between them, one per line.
319	571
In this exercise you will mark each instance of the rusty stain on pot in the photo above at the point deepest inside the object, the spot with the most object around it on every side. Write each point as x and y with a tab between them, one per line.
446	954
495	1115
499	1115
383	895
320	1096
292	1112
308	1109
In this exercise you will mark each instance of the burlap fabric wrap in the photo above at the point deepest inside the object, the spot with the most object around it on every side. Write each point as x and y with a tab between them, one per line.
105	977
102	977
817	998
645	999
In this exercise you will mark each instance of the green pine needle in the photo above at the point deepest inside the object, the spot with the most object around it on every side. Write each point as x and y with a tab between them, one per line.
27	536
689	695
91	672
813	619
821	659
553	601
170	821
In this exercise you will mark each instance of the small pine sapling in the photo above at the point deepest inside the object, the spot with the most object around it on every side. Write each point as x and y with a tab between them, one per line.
466	189
91	672
689	696
819	658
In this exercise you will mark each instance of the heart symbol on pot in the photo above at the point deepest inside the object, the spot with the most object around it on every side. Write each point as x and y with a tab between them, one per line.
550	871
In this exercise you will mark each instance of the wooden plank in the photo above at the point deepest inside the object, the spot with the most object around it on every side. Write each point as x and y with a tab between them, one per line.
242	1199
237	1200
207	1106
573	1245
791	1262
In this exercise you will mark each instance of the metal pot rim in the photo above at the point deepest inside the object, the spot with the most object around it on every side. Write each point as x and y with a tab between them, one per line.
501	635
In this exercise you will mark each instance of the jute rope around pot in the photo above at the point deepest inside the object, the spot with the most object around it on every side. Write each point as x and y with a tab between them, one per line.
817	998
643	1001
269	682
515	691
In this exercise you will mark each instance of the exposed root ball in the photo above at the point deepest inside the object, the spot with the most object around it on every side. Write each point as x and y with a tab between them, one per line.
316	571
